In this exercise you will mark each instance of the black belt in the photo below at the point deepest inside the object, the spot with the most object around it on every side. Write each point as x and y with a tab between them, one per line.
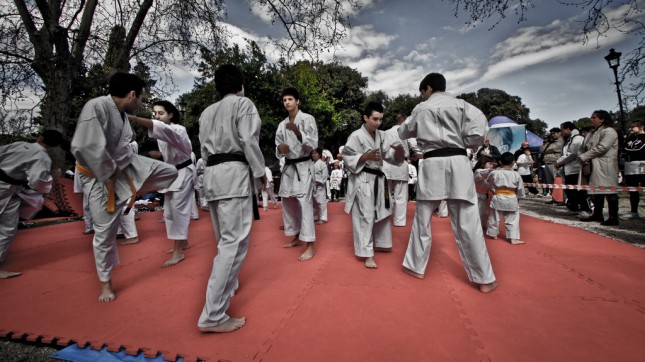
218	158
386	191
184	164
445	152
293	161
10	180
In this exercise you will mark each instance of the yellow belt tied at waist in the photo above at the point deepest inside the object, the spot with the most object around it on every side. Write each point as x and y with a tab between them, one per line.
505	192
111	184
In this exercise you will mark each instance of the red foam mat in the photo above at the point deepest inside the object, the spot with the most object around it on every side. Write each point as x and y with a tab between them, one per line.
566	295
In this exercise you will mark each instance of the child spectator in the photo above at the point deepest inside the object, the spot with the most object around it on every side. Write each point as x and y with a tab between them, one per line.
334	181
482	168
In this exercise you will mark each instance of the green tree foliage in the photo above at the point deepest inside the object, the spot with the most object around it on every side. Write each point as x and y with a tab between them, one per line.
495	102
401	104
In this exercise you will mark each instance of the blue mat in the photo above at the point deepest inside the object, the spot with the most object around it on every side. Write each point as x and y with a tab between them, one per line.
75	354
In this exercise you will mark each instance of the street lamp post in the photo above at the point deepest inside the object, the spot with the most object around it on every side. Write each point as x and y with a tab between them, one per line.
613	59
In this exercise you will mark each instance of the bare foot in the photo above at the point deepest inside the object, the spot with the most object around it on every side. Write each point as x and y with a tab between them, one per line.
184	246
309	252
107	293
487	288
321	222
161	221
129	241
4	274
175	259
517	242
229	326
281	227
295	242
87	232
491	237
410	272
370	263
383	250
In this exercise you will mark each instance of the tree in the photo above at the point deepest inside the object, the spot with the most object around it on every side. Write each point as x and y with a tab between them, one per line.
48	46
401	104
601	17
496	102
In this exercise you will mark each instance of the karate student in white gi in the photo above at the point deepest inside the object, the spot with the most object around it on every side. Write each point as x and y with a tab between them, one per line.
176	149
397	179
444	127
110	172
229	133
367	197
296	137
87	216
507	187
321	174
267	191
25	175
201	165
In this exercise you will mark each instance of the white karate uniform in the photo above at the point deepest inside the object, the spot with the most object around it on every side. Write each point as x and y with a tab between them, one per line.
199	170
87	215
397	179
506	206
194	210
26	162
101	144
482	187
321	174
176	148
231	125
127	227
371	222
267	190
297	185
443	121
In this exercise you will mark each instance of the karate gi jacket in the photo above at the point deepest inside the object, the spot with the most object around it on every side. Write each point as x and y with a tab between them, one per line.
443	121
176	148
231	125
293	185
360	184
101	144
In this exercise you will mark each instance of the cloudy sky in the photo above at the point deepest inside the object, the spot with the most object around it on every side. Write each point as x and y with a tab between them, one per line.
542	59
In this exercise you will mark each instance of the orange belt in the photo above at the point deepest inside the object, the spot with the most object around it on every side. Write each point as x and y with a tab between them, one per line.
505	192
111	188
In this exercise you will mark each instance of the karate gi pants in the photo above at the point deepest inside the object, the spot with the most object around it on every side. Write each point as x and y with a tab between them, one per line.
464	219
320	203
21	204
368	233
399	190
87	215
232	220
298	217
483	206
177	209
266	195
9	219
106	224
127	227
511	222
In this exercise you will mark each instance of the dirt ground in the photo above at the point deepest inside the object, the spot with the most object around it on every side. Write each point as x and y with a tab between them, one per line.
629	231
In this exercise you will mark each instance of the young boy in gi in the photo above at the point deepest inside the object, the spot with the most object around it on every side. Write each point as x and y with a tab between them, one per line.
295	139
320	192
367	197
507	187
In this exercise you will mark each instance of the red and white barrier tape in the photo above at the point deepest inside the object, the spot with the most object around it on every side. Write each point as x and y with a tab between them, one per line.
586	187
